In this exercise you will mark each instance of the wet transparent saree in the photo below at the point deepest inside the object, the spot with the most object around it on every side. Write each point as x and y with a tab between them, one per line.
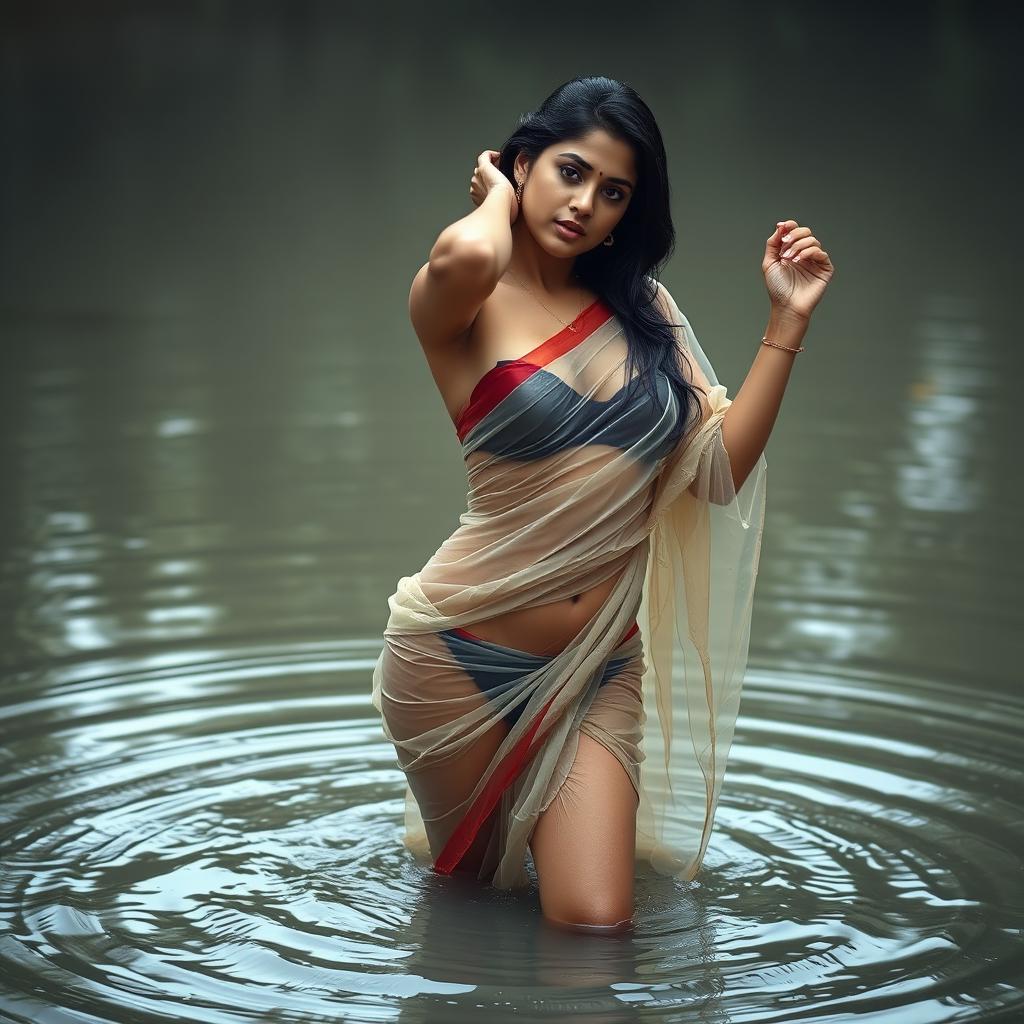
574	480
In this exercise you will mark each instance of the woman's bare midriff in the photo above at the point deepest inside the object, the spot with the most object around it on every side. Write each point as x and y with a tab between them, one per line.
545	629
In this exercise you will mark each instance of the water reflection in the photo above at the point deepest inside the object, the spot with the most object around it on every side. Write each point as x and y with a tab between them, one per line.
946	425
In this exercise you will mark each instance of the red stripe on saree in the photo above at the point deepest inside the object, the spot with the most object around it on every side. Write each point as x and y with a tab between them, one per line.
503	777
501	380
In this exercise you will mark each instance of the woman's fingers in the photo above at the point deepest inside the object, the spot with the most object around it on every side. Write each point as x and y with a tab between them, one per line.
795	249
795	234
815	253
795	243
789	231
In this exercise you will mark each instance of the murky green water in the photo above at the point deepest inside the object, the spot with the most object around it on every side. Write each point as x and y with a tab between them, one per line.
221	447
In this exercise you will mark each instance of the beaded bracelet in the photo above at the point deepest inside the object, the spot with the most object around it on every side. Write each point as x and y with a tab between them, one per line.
775	344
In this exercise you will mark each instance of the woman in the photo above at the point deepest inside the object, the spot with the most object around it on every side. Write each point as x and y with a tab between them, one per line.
564	673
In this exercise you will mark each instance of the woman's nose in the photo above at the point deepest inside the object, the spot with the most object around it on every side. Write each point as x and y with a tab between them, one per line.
584	200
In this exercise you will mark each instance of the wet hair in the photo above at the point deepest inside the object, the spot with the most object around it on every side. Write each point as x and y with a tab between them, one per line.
624	274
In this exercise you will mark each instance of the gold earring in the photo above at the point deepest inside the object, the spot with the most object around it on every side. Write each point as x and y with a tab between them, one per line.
519	191
609	240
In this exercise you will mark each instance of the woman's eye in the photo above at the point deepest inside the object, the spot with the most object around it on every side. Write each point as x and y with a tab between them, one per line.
618	192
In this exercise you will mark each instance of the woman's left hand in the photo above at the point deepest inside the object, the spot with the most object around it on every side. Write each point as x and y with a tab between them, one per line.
796	269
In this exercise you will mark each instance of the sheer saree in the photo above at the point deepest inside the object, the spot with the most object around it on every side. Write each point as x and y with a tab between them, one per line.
574	480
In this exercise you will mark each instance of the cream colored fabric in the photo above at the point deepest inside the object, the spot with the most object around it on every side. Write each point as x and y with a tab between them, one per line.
684	548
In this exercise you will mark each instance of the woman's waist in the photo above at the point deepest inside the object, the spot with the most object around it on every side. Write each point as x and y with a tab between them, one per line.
518	577
545	629
448	594
533	648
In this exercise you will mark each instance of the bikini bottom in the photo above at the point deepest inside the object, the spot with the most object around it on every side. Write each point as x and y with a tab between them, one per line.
491	665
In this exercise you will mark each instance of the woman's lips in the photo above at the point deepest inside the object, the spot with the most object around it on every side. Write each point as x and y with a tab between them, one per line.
566	231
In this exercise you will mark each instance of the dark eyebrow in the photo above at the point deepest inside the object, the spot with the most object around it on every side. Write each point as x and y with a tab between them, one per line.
583	163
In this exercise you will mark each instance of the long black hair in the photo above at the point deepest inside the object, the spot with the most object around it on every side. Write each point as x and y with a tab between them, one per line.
625	274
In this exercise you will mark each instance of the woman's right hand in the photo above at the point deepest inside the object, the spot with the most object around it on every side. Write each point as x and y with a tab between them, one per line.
487	177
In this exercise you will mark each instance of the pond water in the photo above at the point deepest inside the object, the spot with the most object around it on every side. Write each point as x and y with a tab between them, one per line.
221	448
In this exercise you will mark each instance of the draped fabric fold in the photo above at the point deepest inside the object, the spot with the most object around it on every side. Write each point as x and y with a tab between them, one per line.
574	480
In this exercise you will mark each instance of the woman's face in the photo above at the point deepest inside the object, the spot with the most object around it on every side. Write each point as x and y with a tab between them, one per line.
589	180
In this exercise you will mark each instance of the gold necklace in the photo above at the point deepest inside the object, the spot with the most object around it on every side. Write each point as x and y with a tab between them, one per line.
523	284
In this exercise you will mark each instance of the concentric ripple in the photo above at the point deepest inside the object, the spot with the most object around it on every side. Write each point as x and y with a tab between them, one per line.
213	836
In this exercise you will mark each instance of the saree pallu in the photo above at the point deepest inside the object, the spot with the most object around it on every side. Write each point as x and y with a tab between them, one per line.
574	479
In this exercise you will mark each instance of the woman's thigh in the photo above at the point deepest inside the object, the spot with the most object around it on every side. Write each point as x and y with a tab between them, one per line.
584	842
427	694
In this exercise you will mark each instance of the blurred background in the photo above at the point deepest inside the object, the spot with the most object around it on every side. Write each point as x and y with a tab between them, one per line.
211	213
220	447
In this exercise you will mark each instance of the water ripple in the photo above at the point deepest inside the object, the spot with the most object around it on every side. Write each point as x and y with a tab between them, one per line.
221	829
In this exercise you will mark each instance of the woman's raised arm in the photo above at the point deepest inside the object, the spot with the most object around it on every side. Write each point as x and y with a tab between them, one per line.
466	261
